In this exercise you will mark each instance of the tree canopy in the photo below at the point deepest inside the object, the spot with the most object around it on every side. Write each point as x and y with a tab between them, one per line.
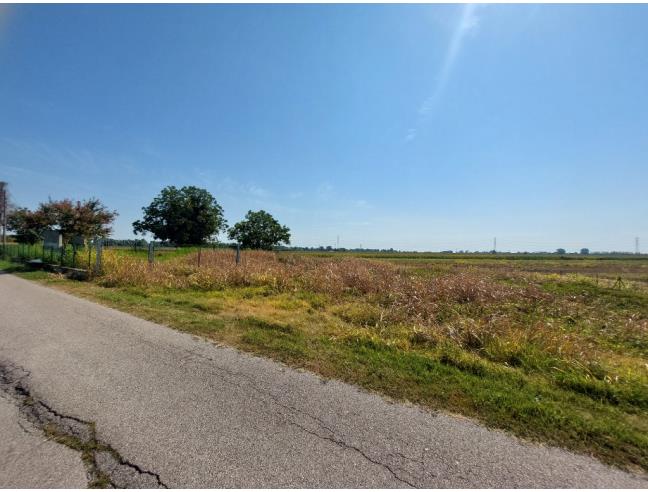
259	230
188	215
27	225
88	219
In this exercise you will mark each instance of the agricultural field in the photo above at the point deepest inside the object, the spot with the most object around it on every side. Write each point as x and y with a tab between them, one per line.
551	349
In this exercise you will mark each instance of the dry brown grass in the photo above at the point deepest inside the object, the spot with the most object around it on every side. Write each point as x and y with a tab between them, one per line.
430	307
389	284
475	310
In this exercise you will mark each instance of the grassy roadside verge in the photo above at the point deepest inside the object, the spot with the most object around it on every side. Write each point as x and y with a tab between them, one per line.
527	393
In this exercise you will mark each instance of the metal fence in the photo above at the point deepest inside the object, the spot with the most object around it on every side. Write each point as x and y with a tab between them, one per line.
88	256
71	256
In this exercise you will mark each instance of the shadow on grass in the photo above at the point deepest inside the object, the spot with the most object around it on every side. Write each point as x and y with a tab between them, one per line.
14	268
22	270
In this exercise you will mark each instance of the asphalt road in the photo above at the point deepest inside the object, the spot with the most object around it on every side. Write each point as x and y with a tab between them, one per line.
24	448
172	410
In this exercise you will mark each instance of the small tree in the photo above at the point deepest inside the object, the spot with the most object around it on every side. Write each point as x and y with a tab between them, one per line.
188	215
584	251
88	219
259	230
561	251
27	225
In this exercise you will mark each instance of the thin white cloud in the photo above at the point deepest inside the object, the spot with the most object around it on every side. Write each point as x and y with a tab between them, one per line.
257	191
325	190
467	23
411	134
35	154
361	204
229	186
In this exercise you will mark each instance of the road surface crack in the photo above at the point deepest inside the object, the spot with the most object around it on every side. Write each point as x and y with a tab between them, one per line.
319	422
345	445
105	467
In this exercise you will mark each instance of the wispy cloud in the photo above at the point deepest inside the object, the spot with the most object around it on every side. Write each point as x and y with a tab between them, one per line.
325	190
257	191
231	186
82	162
411	134
468	22
362	204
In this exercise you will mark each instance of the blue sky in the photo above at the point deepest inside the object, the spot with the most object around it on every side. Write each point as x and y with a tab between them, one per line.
421	127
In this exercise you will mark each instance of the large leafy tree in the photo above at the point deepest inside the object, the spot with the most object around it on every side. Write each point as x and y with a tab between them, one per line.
259	230
188	215
88	218
28	226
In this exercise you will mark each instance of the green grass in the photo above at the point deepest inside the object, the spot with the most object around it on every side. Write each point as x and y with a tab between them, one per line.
160	254
24	271
569	369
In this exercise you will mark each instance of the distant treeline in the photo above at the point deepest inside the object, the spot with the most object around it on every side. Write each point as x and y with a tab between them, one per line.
135	243
142	243
331	248
449	251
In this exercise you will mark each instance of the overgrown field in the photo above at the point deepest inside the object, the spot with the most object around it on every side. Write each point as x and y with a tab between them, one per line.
553	350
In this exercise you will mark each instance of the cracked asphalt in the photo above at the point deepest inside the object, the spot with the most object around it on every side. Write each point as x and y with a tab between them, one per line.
103	465
198	415
23	448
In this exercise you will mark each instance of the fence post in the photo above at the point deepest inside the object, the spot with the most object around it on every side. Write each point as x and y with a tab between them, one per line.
151	252
99	246
238	253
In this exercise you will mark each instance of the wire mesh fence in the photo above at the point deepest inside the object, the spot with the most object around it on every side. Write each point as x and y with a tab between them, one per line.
89	257
70	256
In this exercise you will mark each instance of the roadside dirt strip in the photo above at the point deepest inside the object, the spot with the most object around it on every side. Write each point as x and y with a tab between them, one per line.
127	403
